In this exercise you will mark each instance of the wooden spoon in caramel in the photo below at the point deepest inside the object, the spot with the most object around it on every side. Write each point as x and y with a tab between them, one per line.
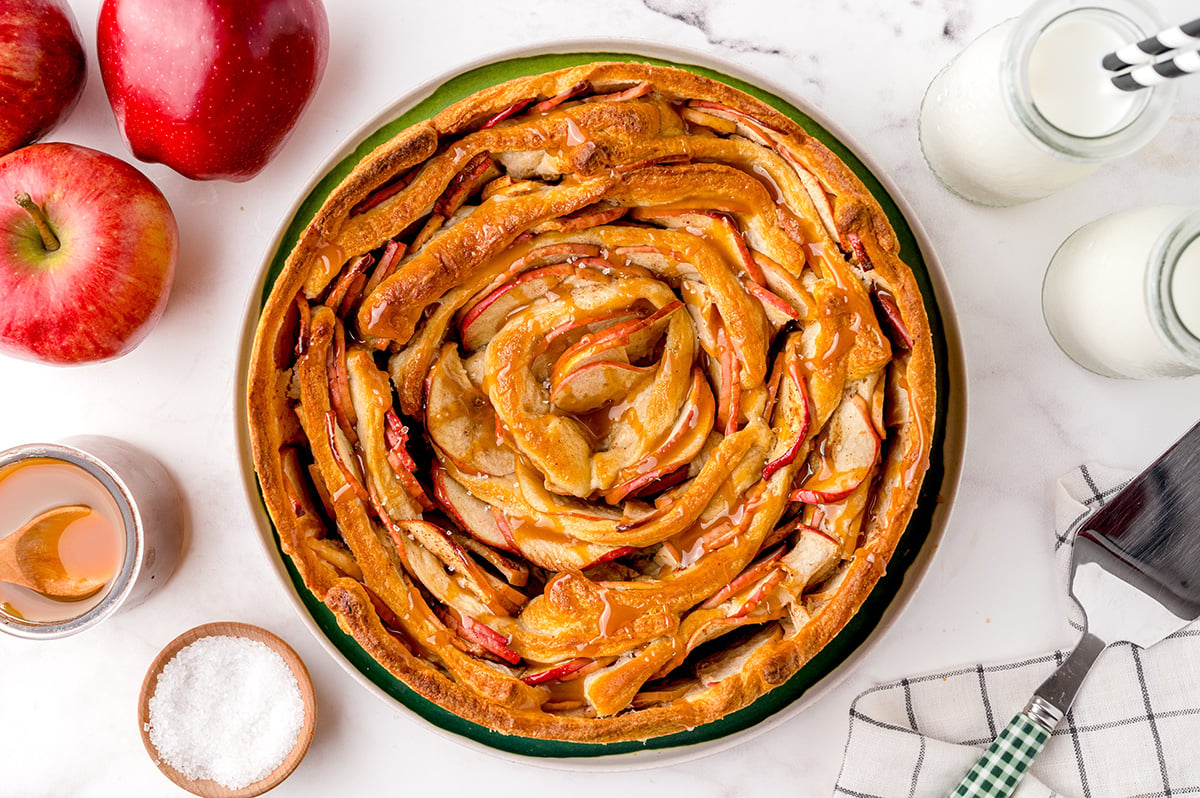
29	557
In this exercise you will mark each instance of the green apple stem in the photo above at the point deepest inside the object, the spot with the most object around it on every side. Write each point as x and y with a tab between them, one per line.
49	240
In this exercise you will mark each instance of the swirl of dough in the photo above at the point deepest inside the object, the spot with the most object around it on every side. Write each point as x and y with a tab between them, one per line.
609	399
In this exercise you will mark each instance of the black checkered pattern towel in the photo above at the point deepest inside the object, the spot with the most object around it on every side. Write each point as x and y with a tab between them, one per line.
1134	731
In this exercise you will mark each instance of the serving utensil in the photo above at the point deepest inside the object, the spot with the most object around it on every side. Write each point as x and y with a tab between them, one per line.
1135	573
29	557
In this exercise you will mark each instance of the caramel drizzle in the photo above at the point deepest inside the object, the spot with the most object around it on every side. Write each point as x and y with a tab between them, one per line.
719	565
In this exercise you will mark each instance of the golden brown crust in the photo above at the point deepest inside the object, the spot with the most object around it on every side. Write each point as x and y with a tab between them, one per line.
544	274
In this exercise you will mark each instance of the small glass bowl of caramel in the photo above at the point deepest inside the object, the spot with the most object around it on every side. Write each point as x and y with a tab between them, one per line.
129	541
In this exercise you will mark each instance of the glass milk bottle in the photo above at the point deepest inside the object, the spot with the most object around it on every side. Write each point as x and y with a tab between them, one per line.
1027	109
1122	294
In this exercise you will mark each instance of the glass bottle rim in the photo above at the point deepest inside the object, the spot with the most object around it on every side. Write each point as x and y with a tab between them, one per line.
1141	20
1160	293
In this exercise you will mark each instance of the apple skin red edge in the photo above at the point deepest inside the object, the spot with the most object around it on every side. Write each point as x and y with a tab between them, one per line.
106	285
212	89
42	69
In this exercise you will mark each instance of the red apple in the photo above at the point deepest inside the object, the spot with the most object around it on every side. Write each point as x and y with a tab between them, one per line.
211	88
42	69
87	254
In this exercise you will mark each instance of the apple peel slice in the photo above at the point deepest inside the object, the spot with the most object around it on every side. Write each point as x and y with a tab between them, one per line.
563	671
684	440
593	385
471	515
483	319
844	457
617	338
483	635
792	412
545	106
890	317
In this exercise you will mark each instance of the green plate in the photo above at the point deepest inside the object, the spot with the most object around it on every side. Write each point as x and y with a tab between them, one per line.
910	558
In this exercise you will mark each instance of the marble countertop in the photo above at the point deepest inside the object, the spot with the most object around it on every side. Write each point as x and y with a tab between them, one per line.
67	708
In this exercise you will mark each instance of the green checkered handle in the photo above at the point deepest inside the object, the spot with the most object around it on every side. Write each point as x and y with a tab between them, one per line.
1001	767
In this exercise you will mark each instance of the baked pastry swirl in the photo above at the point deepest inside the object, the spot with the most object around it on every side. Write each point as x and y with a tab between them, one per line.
594	406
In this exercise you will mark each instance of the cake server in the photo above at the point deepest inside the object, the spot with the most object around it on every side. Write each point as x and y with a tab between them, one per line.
1135	572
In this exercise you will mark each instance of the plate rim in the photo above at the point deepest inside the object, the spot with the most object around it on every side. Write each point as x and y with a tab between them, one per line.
953	444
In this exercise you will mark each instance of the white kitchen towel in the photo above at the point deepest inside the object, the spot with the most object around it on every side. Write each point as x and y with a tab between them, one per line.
1134	730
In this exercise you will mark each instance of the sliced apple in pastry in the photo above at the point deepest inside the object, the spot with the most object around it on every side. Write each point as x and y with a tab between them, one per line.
594	406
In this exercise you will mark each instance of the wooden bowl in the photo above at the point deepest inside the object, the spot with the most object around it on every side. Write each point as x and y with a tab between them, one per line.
207	787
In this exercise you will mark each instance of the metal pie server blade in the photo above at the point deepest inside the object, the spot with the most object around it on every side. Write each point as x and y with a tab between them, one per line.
1135	572
1136	563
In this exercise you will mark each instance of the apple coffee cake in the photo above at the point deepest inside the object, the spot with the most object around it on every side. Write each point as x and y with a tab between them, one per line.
594	406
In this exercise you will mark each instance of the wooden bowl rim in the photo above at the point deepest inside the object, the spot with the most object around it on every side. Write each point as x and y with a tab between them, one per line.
207	788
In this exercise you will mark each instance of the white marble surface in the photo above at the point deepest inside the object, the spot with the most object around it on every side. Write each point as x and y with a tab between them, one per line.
67	708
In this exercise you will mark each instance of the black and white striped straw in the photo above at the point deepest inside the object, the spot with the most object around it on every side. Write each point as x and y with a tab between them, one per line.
1152	74
1186	35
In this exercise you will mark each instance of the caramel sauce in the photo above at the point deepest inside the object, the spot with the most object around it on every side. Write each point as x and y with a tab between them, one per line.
600	423
913	471
818	468
769	183
804	474
704	201
691	544
328	258
843	341
853	304
378	311
93	546
615	615
564	692
528	533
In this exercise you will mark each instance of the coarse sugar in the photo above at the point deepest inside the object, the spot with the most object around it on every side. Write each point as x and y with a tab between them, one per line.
225	708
